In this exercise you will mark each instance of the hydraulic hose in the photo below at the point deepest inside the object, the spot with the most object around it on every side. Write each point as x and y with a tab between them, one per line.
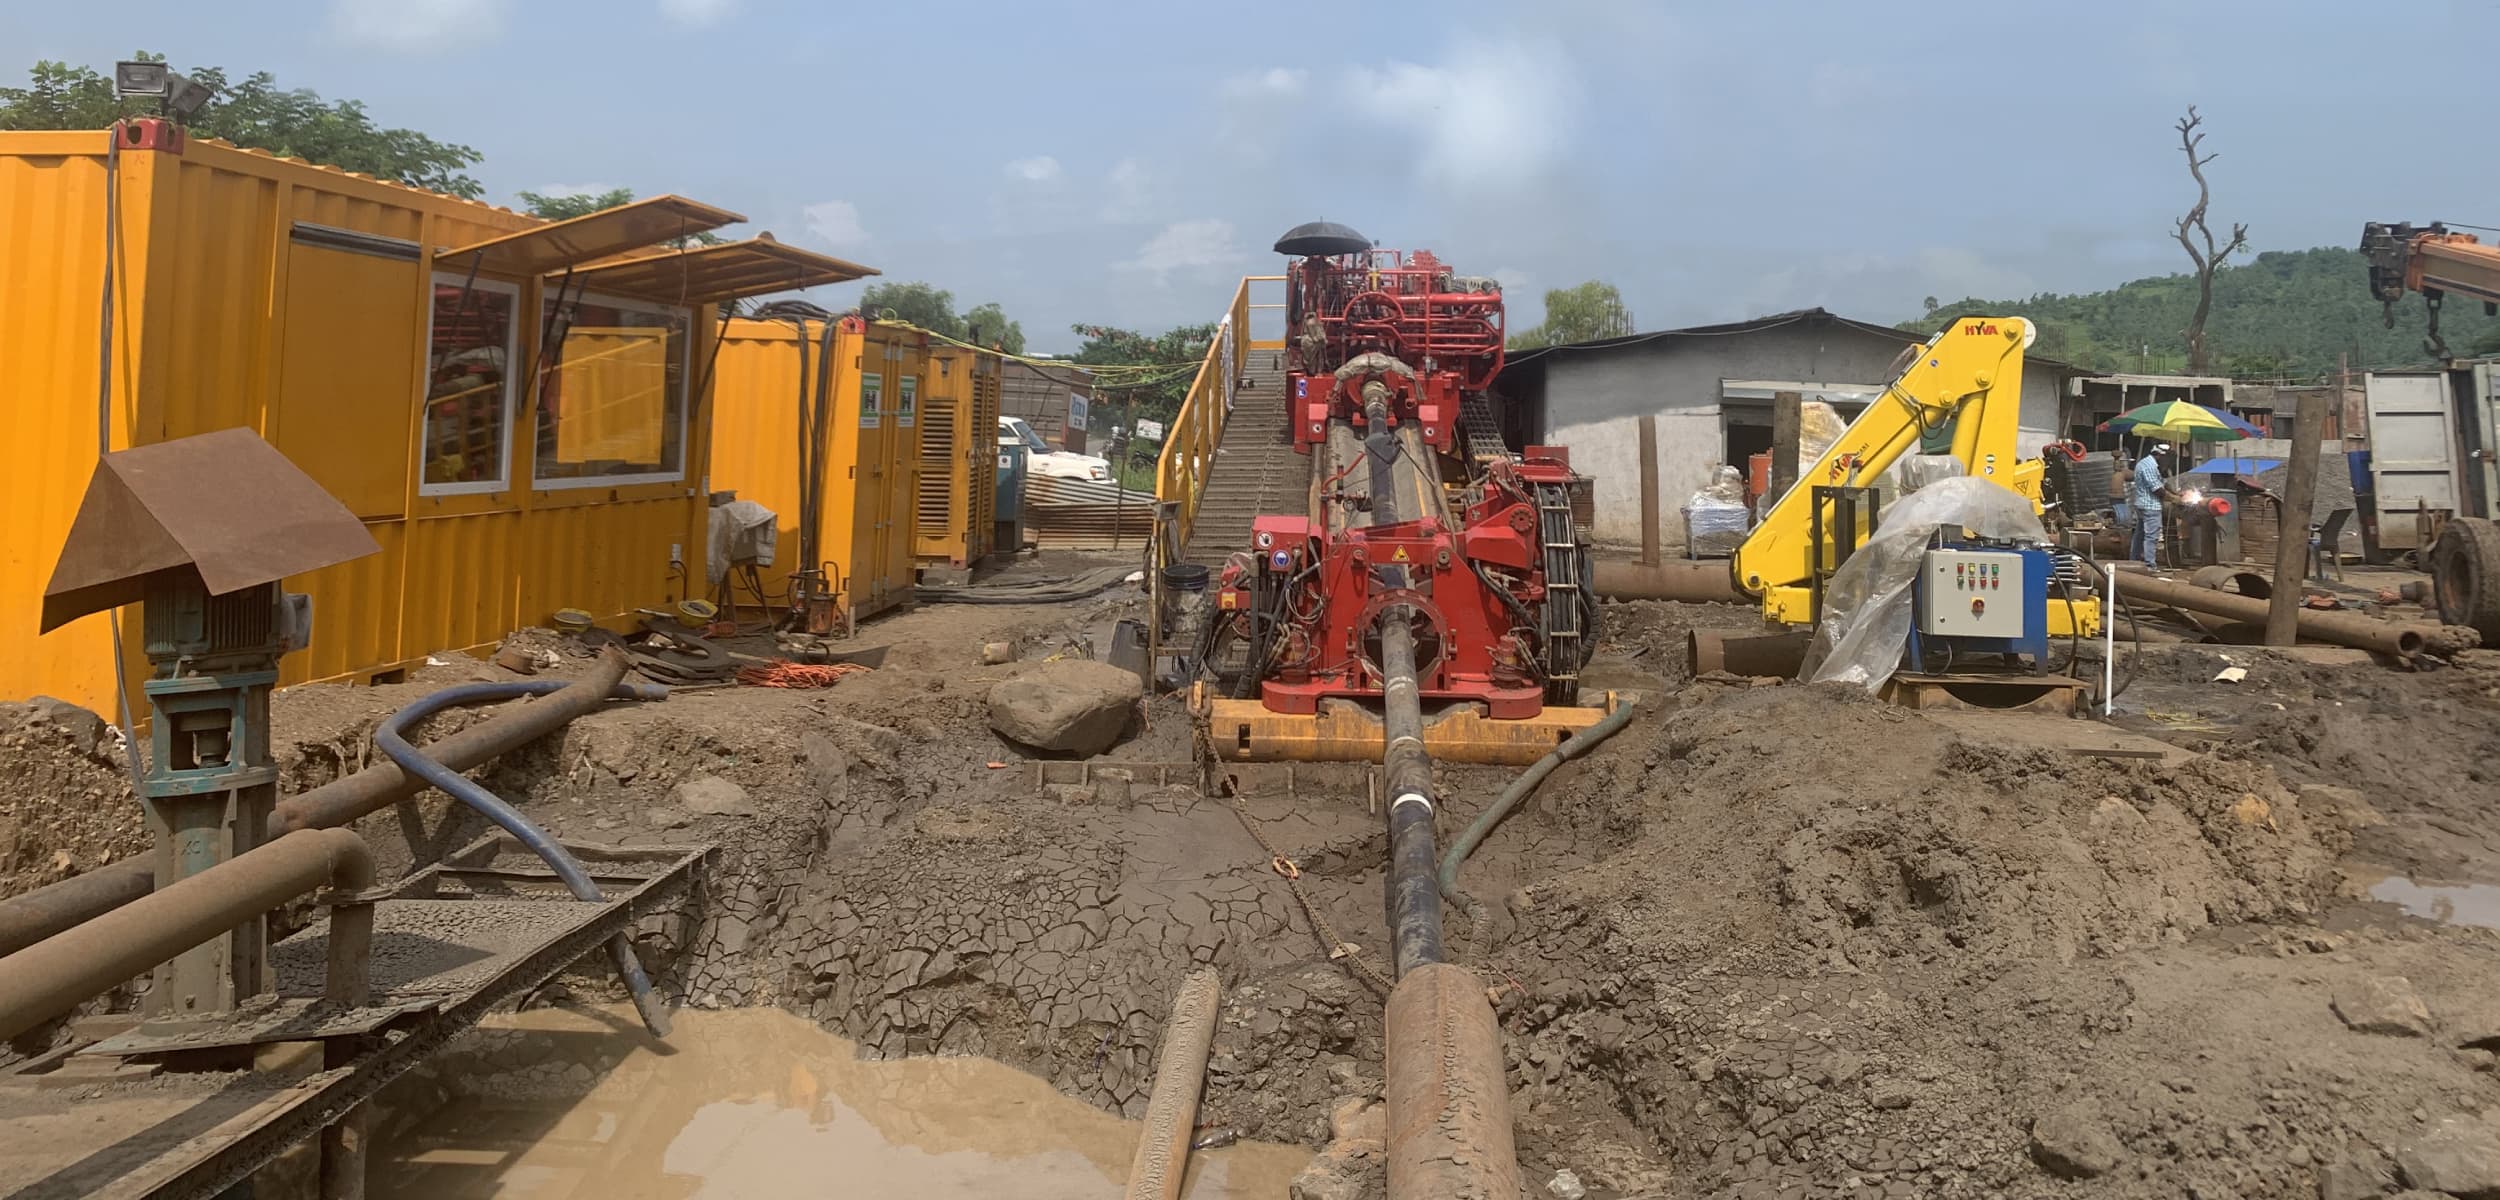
1520	789
33	916
393	739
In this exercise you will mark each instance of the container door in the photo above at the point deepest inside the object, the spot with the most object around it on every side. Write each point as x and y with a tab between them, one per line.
347	375
2412	455
870	465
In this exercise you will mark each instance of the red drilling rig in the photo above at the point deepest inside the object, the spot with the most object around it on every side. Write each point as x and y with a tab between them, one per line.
1420	512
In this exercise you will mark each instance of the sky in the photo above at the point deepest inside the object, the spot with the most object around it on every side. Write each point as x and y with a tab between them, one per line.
1124	163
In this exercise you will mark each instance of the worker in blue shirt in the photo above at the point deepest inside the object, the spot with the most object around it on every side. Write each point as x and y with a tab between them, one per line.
2151	487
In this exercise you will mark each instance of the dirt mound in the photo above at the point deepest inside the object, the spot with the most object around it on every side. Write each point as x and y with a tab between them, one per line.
66	804
1842	950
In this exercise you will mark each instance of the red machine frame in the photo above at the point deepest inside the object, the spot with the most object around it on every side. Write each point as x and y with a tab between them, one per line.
1477	595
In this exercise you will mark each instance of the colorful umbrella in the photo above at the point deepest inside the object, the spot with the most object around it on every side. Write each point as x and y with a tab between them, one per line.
2180	421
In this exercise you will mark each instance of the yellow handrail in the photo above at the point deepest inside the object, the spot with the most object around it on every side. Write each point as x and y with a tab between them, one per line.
1189	445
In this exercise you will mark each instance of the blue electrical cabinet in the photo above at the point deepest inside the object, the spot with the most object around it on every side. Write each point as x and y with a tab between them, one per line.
1014	467
1968	600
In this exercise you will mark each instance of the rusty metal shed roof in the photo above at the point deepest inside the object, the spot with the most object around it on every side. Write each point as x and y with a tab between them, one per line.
603	234
226	504
728	271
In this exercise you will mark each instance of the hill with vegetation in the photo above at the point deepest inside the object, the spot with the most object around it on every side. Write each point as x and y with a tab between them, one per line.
2283	314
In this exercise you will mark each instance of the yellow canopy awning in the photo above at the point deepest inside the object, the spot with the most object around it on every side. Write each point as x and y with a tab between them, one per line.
603	234
711	274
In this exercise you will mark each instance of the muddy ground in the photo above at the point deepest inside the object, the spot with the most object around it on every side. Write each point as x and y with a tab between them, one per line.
1772	940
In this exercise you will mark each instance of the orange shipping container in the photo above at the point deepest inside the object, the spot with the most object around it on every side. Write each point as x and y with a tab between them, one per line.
859	422
382	337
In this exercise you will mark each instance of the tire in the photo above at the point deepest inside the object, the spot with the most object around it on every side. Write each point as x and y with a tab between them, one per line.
2465	575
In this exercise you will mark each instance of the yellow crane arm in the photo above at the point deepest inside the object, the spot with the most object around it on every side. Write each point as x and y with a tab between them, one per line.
1968	377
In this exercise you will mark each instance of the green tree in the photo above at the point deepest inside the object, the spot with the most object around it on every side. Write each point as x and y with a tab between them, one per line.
923	304
569	205
2289	313
254	113
987	325
933	308
1584	313
1141	376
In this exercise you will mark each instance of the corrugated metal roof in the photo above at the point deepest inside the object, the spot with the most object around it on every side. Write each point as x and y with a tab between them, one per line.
1802	316
583	239
728	271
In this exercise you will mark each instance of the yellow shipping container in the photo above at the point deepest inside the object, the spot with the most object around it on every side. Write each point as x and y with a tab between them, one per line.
384	338
863	452
958	509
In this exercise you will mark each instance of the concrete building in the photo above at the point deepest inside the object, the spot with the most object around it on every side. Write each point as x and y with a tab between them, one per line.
1709	389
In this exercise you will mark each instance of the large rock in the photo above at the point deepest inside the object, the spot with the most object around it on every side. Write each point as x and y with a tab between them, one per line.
2459	1156
85	729
2385	1004
1074	706
2075	1143
713	796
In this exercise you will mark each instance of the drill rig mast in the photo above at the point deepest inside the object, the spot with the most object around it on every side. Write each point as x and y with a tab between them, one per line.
1421	516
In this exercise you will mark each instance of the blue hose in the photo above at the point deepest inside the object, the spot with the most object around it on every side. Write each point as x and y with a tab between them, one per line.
394	742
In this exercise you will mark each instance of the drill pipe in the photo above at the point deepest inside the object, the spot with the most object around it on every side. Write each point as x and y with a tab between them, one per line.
1449	1105
1414	894
1162	1162
2343	629
52	976
39	914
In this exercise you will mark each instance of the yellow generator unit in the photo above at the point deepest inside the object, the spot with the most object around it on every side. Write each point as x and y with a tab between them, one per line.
820	422
958	444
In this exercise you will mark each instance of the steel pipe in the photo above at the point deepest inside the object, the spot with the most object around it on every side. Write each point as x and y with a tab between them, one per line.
2341	628
39	914
1692	581
1779	655
1414	893
1449	1105
54	975
1162	1161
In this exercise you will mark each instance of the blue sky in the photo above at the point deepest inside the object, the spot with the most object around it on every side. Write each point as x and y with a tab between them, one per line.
1122	163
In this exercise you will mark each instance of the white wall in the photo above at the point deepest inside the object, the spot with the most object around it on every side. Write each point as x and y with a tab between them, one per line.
1689	446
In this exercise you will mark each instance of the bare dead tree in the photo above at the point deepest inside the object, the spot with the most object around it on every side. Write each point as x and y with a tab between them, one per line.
2208	259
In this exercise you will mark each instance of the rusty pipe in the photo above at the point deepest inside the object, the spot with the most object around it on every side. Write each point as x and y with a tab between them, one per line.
1780	655
1162	1161
54	975
29	918
1449	1105
1702	581
2343	629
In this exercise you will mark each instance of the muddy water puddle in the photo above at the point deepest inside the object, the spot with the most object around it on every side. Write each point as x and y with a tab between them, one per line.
757	1103
2475	904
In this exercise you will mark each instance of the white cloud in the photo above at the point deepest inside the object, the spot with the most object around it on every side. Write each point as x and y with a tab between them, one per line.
1186	246
697	14
1274	81
1127	192
1488	113
1040	168
417	26
836	223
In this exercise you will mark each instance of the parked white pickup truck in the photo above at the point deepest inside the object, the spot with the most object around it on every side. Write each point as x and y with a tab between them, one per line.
1059	464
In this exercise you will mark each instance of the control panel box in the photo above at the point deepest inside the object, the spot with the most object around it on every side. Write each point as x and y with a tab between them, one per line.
1974	593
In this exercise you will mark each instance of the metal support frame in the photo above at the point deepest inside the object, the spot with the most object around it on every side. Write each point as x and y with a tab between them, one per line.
1843	530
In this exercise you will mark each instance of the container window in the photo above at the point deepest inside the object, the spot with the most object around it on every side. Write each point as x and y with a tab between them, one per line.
468	389
613	404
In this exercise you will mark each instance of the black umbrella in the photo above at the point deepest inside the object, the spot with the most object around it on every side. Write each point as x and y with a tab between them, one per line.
1321	238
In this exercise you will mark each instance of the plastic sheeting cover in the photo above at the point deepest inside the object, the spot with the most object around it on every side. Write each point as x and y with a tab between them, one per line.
1866	606
741	531
1716	518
